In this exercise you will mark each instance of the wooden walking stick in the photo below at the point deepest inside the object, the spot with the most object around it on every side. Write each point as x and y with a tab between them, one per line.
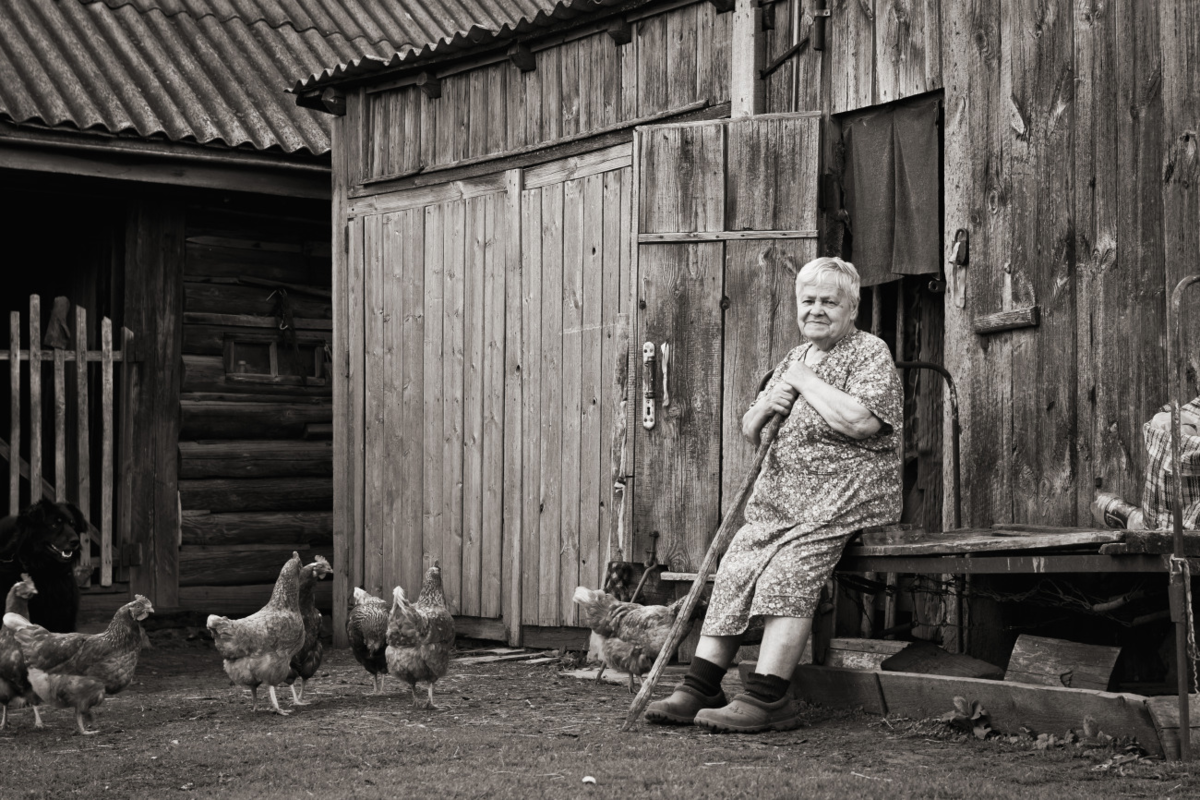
719	543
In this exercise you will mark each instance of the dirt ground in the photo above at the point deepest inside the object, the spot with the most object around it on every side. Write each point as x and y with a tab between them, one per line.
512	730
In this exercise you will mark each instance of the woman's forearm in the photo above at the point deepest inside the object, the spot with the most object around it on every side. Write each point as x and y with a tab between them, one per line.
843	412
755	419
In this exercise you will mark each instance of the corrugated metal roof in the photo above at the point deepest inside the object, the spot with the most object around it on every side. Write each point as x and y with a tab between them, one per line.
202	71
467	24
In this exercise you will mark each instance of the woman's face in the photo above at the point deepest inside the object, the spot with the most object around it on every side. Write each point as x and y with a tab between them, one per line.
823	313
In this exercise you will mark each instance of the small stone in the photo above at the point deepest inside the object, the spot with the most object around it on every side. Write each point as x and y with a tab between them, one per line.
589	779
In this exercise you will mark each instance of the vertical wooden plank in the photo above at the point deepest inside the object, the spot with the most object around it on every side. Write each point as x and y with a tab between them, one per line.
592	455
473	391
614	346
570	101
14	429
903	56
1107	408
386	450
608	81
552	380
462	95
60	425
631	203
589	89
83	445
123	533
684	179
977	198
747	57
344	464
779	92
550	74
431	126
681	56
412	398
515	368
449	106
572	397
433	517
497	131
106	451
532	416
454	235
413	125
851	34
679	459
811	88
652	65
379	126
376	531
35	398
629	67
1041	119
532	83
493	407
476	123
516	110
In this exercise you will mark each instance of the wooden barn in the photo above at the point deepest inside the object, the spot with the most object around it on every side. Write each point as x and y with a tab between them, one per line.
564	242
156	175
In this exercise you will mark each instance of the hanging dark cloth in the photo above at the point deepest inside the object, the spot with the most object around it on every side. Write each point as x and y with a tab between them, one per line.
892	184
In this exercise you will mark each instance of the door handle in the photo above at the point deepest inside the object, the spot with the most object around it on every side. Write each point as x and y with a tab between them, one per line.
666	358
649	367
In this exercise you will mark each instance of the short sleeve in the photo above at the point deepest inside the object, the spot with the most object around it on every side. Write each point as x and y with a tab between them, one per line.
872	381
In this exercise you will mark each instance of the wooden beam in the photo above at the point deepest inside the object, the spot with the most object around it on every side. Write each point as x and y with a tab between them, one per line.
747	90
620	31
722	236
430	85
1007	320
1007	565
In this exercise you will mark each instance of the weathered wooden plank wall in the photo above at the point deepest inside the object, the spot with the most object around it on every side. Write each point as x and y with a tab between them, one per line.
675	59
253	485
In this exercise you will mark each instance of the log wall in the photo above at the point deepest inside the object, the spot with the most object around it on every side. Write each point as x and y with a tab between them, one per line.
254	484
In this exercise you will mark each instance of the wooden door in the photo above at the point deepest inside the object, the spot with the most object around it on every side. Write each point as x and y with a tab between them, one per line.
726	215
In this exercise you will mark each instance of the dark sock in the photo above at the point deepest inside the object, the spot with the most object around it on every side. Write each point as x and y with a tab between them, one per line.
767	688
704	676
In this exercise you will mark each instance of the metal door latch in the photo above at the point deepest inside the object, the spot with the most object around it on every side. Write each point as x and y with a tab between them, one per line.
649	365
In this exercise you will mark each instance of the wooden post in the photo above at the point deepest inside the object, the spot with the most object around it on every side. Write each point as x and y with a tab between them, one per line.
35	397
14	381
154	310
748	46
82	441
106	451
513	408
123	535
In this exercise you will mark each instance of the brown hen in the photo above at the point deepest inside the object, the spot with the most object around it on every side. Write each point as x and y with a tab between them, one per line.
420	635
367	626
308	660
259	648
78	670
629	636
14	675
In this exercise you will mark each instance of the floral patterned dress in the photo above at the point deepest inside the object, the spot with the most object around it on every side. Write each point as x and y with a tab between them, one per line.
816	488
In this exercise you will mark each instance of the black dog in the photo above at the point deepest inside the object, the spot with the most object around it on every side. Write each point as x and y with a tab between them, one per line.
43	540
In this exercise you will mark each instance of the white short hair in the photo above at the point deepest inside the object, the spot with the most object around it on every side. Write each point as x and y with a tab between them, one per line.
843	273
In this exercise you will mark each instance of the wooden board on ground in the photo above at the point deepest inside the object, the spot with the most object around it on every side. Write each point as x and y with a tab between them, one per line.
1056	662
861	653
976	541
929	659
833	686
1164	711
617	677
491	659
1012	706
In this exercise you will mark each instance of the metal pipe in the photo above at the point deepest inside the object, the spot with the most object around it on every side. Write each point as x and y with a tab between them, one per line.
1176	350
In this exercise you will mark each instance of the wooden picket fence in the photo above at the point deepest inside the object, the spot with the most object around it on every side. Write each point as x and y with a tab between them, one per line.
36	355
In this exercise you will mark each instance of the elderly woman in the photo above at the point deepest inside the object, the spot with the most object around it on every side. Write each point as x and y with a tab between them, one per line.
833	469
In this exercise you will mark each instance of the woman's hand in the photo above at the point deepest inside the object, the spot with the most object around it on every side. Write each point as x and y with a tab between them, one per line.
780	398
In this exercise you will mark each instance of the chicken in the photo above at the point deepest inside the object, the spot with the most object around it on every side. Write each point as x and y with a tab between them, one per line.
627	636
420	635
367	627
259	648
14	676
78	670
306	662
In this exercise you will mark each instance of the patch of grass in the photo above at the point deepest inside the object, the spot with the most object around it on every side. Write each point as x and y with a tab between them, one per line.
505	730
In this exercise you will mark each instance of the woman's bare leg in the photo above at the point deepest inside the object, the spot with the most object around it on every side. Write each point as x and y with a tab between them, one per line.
782	644
719	650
